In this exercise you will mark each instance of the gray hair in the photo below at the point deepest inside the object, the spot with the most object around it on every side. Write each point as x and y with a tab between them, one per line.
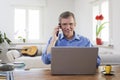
66	14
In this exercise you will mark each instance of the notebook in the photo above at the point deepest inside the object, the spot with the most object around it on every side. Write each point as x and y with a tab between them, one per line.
74	60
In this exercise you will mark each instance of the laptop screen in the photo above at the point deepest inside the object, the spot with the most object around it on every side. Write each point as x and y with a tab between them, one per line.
74	60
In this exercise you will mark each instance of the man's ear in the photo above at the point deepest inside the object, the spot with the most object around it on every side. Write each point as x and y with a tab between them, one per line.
59	25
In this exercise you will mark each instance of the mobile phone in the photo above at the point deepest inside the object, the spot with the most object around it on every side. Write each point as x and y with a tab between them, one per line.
58	31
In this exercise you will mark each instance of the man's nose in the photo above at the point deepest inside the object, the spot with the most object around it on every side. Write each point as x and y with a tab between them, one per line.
68	26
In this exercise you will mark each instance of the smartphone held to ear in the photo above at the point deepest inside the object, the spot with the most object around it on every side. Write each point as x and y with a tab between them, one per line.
58	31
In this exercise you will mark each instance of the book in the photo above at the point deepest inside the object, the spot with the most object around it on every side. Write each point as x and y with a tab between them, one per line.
6	75
3	77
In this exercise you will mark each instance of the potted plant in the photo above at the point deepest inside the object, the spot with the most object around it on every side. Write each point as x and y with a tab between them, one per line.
99	27
3	39
21	38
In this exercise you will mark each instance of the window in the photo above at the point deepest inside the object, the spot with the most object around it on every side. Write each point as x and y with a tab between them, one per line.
28	23
101	7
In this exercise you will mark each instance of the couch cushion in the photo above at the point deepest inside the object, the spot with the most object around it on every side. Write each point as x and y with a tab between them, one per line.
39	52
15	53
32	62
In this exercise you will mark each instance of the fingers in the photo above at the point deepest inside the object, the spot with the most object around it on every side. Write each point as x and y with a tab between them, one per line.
55	34
56	30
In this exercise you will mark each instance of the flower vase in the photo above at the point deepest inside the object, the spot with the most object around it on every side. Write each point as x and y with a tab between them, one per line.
99	41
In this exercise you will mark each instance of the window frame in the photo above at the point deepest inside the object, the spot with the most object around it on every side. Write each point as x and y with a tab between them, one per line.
99	3
41	9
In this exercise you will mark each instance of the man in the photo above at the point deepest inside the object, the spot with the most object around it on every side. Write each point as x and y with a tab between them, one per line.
68	37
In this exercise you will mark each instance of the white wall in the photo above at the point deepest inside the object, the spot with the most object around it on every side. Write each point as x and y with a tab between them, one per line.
83	12
53	9
5	17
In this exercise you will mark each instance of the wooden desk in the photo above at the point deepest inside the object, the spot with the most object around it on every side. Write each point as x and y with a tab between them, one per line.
45	74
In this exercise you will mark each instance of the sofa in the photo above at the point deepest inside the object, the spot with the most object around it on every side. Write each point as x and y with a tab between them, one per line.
14	55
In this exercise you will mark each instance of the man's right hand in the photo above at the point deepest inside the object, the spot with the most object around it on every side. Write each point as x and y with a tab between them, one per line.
54	39
55	33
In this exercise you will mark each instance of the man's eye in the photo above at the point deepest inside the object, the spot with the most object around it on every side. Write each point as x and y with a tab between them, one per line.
64	24
71	24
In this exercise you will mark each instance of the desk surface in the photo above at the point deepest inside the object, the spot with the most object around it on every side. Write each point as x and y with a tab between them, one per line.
45	74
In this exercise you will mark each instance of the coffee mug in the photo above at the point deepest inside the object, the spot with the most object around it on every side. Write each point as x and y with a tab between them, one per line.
107	69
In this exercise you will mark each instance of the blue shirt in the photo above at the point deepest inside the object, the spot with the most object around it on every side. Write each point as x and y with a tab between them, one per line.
77	40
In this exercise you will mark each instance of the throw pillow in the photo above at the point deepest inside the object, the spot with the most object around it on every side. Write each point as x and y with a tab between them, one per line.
15	53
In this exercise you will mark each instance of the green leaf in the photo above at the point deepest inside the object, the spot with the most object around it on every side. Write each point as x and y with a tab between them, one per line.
100	28
3	38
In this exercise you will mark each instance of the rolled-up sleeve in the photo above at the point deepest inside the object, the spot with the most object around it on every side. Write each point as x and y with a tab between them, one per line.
98	61
46	58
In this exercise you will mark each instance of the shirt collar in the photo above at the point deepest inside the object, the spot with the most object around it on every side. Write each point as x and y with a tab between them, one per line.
76	36
61	36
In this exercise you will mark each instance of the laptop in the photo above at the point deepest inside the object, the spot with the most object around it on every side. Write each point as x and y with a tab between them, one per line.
74	60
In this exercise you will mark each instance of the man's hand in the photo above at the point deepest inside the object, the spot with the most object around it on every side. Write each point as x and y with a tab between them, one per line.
55	34
54	39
